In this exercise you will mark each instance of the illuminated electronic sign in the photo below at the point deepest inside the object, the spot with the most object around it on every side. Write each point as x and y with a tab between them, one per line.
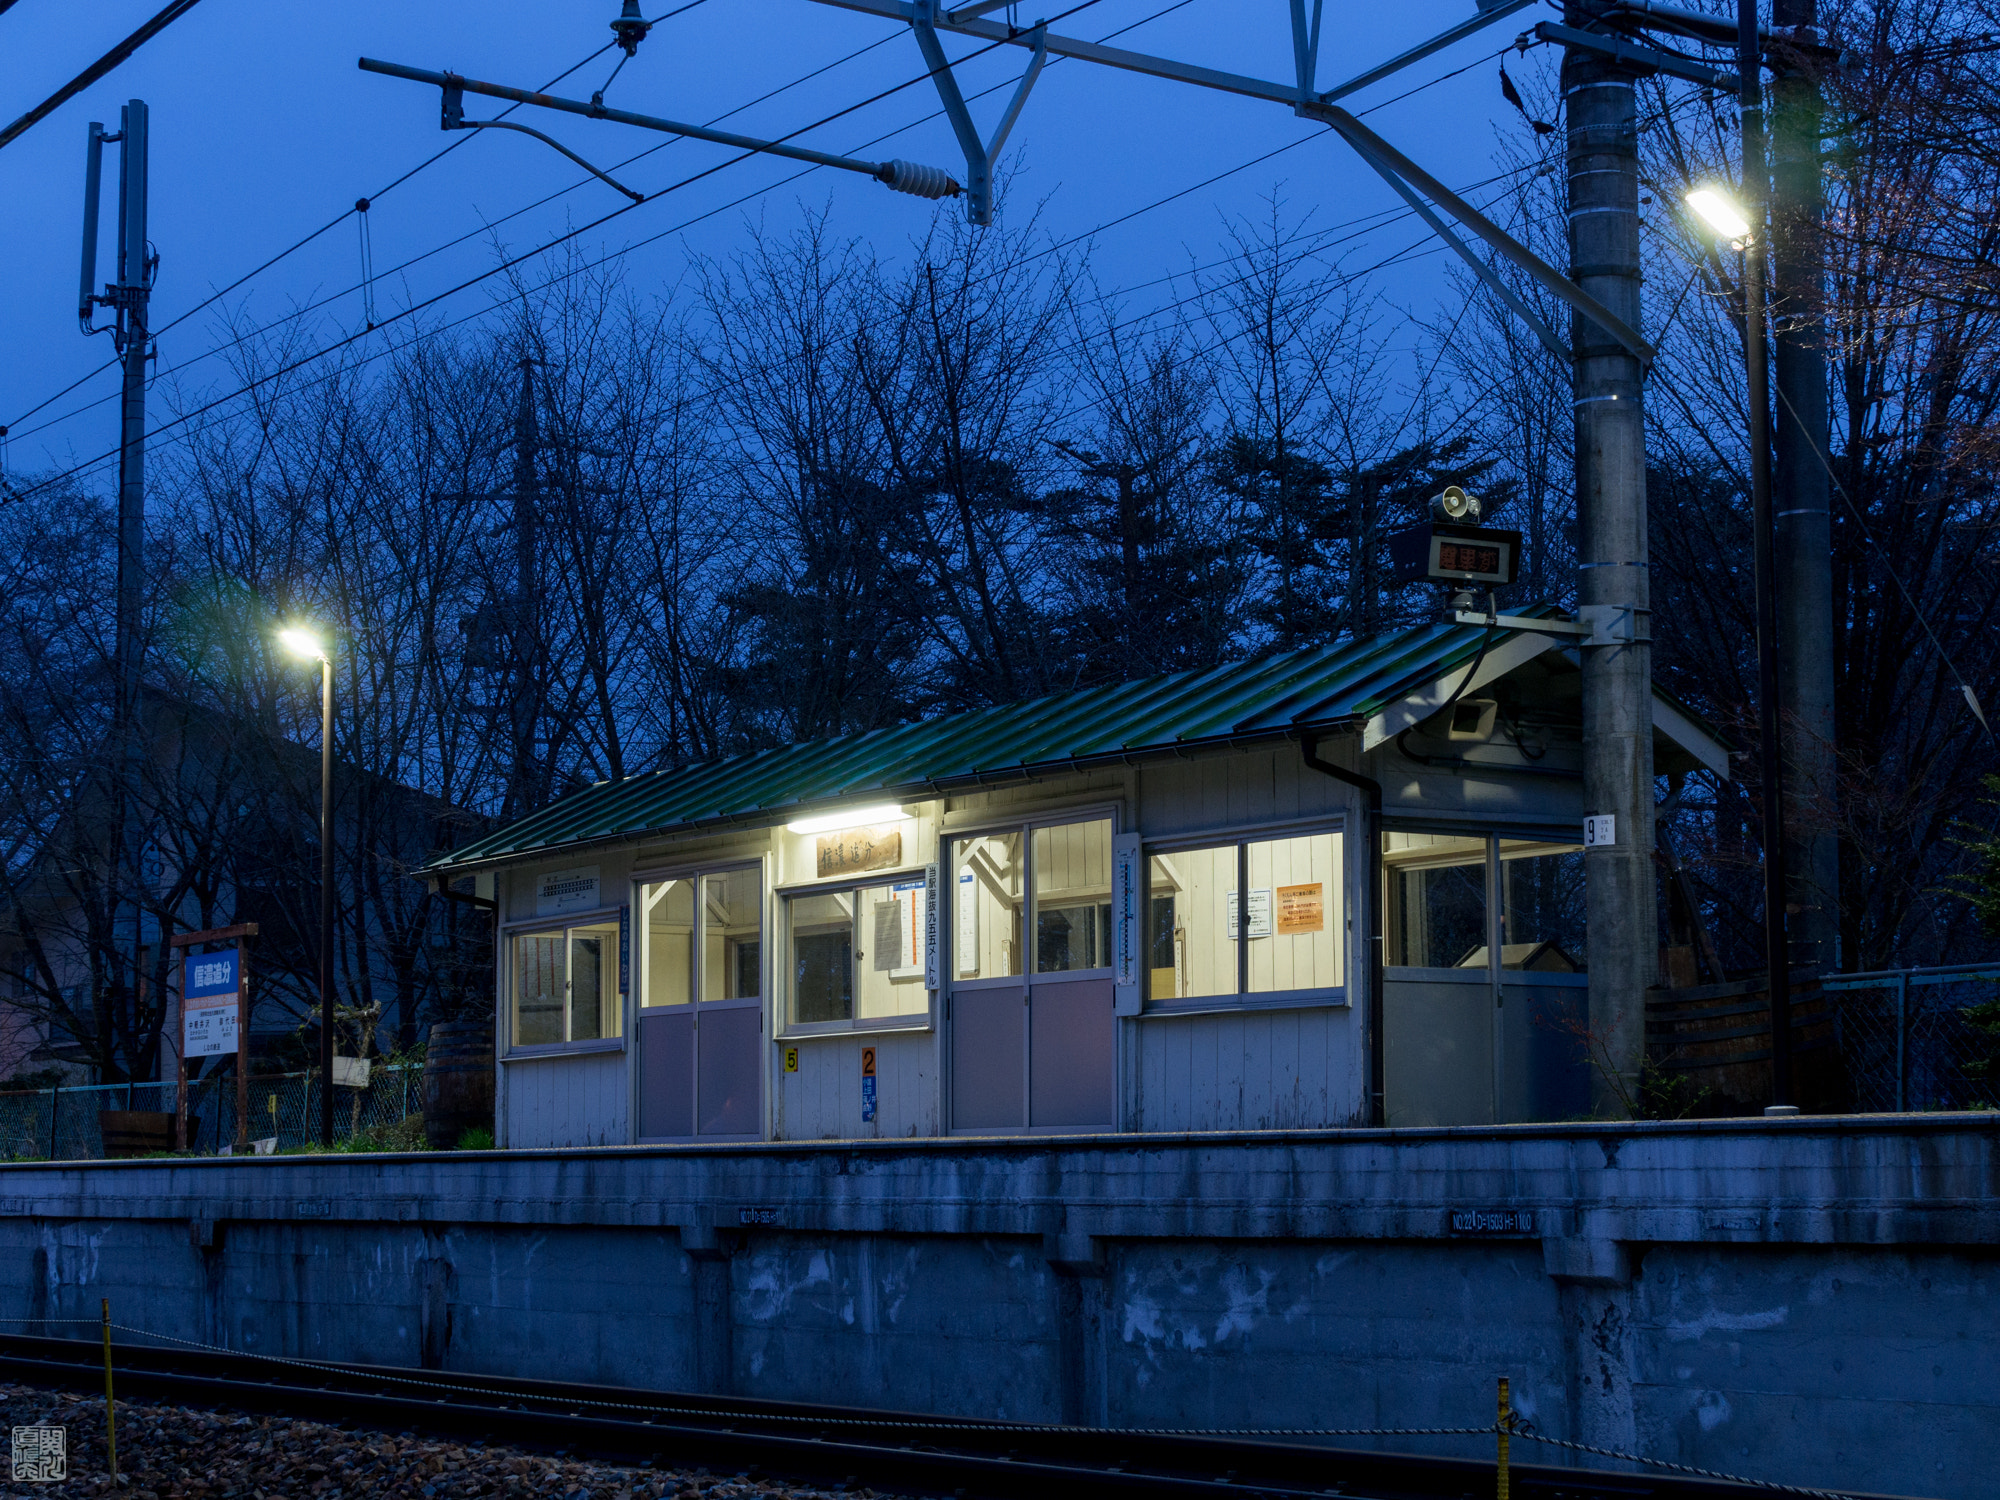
1445	552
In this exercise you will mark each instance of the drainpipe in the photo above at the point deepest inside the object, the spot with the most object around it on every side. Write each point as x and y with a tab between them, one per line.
442	885
1371	906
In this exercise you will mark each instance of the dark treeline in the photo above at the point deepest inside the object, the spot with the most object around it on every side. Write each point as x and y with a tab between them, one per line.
818	486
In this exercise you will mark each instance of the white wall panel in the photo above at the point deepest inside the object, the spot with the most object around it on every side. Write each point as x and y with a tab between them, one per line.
579	1100
1280	1069
822	1100
1245	787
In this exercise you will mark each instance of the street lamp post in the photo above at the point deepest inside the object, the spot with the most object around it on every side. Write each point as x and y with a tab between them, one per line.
1735	225
304	643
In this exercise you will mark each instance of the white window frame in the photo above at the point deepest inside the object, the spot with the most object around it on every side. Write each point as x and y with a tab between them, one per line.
1325	997
694	874
508	932
1094	811
781	961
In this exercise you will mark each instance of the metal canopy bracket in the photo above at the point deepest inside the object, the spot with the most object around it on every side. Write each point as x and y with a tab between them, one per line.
900	176
979	156
1405	174
1489	12
1594	625
452	117
1648	58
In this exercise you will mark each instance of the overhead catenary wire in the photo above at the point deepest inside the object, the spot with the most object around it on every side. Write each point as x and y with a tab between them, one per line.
1414	251
490	224
243	337
487	226
160	22
483	228
182	419
291	249
288	368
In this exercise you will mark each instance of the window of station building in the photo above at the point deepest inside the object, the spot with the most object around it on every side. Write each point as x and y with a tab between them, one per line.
989	886
566	985
731	906
1072	881
1060	870
1435	901
856	955
1292	943
1541	906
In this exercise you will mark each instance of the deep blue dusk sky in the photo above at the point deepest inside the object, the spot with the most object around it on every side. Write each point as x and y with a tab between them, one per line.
263	129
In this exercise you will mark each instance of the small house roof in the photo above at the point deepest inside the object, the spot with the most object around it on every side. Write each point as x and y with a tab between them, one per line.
1327	689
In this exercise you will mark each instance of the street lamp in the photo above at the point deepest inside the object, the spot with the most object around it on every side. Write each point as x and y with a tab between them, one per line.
1723	216
1733	224
304	643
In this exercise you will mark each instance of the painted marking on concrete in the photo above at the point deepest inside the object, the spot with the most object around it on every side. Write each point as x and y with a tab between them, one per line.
758	1216
1491	1221
313	1208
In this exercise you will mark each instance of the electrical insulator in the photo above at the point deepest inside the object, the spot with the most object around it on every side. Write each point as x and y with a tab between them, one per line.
918	180
630	28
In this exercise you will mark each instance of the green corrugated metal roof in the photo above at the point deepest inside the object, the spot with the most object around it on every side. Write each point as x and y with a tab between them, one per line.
1268	698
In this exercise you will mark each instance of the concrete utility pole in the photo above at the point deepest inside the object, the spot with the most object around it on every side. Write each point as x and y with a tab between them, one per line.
1804	542
129	298
1622	941
523	782
1771	726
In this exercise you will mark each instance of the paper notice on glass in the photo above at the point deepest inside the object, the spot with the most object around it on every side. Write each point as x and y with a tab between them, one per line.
909	962
1301	908
1260	913
965	942
886	950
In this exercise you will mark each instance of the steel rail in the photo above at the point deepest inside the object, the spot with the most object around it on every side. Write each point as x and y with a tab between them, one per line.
883	1449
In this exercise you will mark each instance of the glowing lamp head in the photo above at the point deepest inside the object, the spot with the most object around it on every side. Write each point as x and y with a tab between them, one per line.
302	642
851	817
1721	215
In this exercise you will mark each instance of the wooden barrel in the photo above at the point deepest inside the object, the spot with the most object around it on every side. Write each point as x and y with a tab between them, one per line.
458	1081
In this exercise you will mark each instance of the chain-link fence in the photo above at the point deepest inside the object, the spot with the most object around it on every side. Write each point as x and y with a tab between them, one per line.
65	1124
1918	1039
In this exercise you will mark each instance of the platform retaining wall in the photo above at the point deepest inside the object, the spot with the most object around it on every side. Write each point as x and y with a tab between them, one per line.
1814	1301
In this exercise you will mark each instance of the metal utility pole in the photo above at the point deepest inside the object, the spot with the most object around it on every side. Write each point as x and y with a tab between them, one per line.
523	781
1777	950
129	298
328	975
1803	539
1612	580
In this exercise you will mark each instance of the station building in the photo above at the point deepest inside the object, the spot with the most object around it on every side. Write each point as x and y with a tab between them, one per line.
1145	907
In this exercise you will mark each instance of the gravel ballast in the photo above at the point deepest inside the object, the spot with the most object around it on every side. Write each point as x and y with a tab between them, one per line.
166	1452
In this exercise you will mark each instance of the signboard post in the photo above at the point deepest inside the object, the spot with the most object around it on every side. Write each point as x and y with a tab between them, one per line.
215	1016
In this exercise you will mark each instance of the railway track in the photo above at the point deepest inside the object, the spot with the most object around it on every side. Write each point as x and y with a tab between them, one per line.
823	1444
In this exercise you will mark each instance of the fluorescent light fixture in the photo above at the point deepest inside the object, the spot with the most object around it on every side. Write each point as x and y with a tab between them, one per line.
848	817
302	643
1724	217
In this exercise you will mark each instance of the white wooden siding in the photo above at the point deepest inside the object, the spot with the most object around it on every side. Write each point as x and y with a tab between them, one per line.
1240	789
579	1100
822	1101
1281	1069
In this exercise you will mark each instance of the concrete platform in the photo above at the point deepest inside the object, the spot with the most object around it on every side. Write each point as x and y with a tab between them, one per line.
1812	1300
